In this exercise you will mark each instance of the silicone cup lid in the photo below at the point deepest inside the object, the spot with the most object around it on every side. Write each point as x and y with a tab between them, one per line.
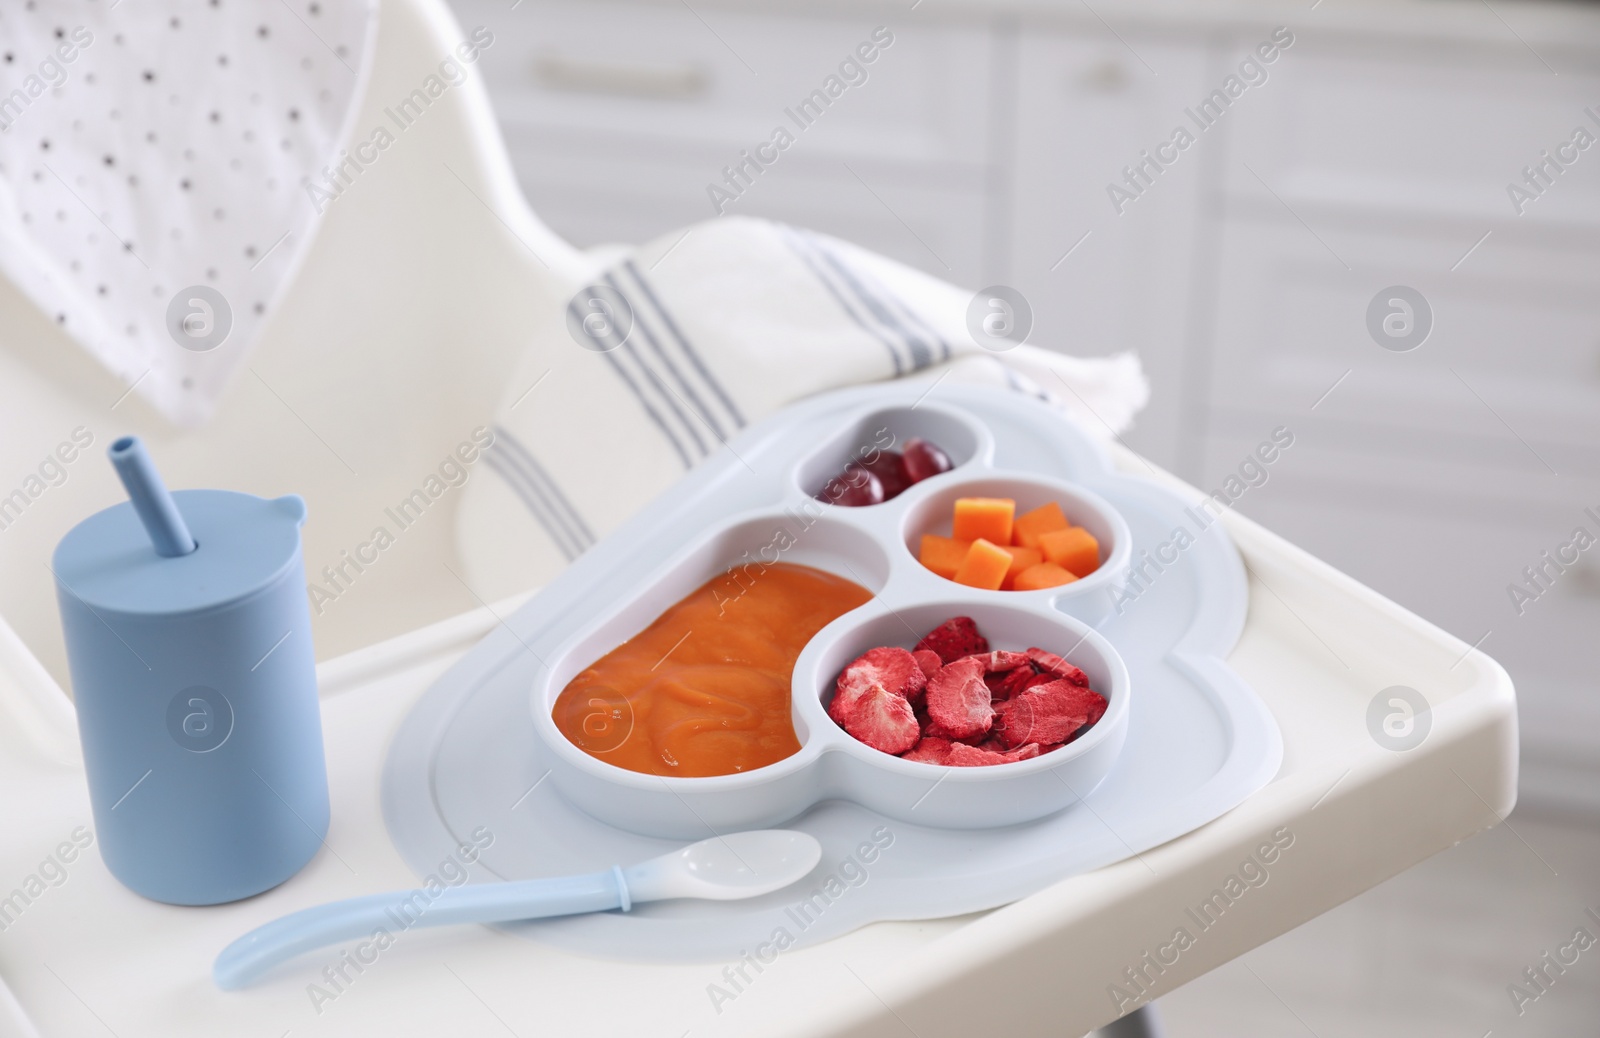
245	543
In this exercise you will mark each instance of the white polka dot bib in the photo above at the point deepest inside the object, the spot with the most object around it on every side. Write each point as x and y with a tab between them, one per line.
153	162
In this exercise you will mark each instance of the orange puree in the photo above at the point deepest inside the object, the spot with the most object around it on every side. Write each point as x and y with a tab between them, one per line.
704	690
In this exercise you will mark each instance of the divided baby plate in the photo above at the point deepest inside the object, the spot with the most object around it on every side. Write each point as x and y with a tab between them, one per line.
874	546
1182	739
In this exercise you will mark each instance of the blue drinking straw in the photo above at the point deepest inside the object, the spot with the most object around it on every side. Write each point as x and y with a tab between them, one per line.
159	513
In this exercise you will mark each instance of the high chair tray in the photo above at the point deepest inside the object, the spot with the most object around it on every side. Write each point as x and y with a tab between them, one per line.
473	756
91	957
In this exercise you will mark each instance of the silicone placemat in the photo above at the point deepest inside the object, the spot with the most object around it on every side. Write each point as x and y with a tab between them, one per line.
465	767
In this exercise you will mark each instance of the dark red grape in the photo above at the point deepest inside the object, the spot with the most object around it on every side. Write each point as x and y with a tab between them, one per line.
852	488
889	469
922	459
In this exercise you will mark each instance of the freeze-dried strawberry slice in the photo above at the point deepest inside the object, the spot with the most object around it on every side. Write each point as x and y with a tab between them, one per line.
958	700
1082	697
997	686
995	743
928	660
1001	660
1039	717
884	721
955	638
1008	683
1050	663
890	668
1050	713
929	750
934	730
1038	679
964	756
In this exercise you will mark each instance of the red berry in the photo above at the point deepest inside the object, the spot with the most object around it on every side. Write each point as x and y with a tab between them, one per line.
887	466
922	459
852	488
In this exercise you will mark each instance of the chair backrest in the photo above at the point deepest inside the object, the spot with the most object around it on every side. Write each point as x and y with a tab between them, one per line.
393	342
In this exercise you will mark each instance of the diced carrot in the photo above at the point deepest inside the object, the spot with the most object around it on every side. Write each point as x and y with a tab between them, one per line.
1021	559
1073	548
943	555
1044	519
985	566
1045	574
986	517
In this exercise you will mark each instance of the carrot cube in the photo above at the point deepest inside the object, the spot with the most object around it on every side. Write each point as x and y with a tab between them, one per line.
1073	548
986	517
1021	559
1045	574
1030	525
943	555
985	566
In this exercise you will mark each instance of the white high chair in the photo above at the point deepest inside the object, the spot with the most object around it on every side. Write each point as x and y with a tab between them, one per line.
393	344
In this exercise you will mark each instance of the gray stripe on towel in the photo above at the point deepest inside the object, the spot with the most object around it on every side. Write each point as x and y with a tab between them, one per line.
503	465
900	304
683	343
798	247
663	390
688	396
644	402
921	352
548	488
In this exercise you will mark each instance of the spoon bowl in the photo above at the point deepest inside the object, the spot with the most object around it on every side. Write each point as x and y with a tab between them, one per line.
726	868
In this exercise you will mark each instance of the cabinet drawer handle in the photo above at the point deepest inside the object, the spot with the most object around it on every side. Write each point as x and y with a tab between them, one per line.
1106	77
1586	578
578	75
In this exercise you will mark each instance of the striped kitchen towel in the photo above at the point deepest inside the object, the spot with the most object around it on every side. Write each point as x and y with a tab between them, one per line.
681	343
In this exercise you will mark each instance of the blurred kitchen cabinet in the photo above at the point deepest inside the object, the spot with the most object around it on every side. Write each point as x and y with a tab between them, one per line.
1353	174
1421	136
619	117
1436	473
1449	540
1106	274
1508	375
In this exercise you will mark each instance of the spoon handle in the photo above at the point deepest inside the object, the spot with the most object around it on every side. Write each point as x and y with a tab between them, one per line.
398	911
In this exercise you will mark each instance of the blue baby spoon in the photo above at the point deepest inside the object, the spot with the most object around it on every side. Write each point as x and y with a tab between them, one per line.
724	868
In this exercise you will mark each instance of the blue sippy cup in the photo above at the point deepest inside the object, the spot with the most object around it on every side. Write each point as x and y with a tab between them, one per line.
189	642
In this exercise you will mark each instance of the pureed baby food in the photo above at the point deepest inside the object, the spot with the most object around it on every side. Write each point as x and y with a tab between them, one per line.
704	690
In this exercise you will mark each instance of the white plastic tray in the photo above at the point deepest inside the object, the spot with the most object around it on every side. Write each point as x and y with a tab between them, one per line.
1316	646
1198	740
